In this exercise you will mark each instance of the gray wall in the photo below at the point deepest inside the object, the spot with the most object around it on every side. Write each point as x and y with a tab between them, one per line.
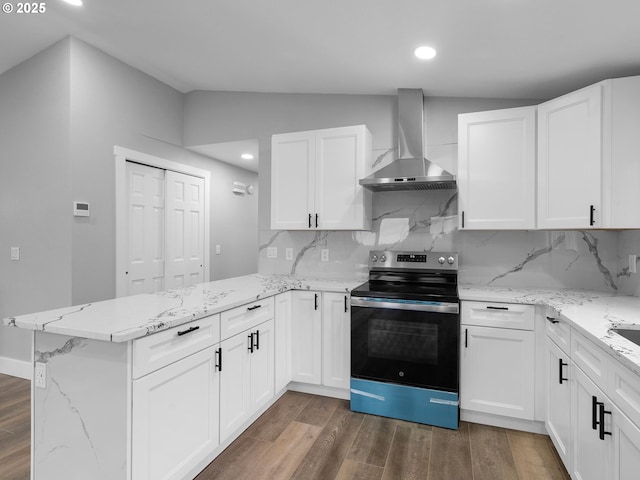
35	191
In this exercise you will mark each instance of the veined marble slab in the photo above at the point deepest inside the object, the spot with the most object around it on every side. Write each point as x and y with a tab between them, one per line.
593	314
127	318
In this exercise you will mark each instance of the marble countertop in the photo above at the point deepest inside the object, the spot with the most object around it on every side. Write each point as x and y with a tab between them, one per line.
127	318
591	313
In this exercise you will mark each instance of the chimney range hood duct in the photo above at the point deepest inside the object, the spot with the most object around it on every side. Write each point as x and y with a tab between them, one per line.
411	171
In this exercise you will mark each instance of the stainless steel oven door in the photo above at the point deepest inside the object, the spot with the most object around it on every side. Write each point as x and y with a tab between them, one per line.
406	342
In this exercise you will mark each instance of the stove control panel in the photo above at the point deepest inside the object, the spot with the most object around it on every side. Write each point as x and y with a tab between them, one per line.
381	259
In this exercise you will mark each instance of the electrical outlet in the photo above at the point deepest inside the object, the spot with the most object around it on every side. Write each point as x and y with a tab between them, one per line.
40	375
272	252
15	253
218	248
633	265
324	255
288	254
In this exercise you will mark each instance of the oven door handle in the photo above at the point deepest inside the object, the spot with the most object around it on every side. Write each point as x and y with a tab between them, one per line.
414	305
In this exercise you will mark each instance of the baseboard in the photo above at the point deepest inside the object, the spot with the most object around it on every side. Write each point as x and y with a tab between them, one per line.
15	368
532	426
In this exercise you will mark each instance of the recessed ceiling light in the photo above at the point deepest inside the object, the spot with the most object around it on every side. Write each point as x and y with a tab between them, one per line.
246	156
76	3
425	53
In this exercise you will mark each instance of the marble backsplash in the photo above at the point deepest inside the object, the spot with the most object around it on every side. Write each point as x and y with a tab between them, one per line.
427	221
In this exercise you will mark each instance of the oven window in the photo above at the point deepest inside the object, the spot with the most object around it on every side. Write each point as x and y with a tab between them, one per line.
398	340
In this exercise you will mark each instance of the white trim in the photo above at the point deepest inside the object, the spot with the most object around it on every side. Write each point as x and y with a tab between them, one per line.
121	156
531	426
15	368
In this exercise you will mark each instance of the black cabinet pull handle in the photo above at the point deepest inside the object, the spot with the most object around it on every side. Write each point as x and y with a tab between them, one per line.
315	301
219	355
463	219
188	330
345	304
466	338
254	307
250	347
257	339
553	320
309	220
591	215
560	377
491	307
316	220
603	412
594	412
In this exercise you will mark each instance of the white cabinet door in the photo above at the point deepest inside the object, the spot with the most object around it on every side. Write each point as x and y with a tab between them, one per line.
341	156
558	421
626	447
306	337
175	417
261	365
292	181
282	319
497	371
235	393
497	169
570	160
314	179
336	340
590	454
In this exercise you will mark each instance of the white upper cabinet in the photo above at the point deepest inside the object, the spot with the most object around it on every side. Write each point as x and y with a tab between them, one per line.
587	157
496	169
314	179
569	160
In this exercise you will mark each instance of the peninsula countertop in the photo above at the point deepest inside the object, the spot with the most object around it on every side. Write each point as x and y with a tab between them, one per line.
127	318
593	314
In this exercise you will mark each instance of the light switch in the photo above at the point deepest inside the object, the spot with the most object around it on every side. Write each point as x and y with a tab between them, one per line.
288	253
15	253
324	255
218	249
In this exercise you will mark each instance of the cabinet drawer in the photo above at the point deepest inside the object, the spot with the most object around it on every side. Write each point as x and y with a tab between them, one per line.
162	348
501	315
247	316
624	390
558	329
591	359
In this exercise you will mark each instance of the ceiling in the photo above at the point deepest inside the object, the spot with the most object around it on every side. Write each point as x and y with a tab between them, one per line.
230	152
528	49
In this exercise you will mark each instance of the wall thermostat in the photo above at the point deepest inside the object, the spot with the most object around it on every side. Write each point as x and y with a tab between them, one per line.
80	209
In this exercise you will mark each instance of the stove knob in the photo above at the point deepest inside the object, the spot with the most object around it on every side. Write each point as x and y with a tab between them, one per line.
441	260
383	258
451	260
374	258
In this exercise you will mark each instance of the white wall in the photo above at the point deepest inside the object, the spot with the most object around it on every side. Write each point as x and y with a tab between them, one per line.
35	186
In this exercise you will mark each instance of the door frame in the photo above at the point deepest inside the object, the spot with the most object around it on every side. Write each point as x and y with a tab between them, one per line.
122	155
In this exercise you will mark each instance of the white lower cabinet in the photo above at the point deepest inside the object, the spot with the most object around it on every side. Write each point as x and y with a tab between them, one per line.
590	452
336	340
282	340
497	365
321	338
246	376
625	455
175	417
306	337
558	399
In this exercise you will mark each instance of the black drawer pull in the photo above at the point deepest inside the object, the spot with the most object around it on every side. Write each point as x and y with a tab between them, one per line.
591	215
257	339
219	355
466	338
250	347
603	412
309	220
553	320
254	307
594	412
346	309
560	377
188	330
315	301
491	307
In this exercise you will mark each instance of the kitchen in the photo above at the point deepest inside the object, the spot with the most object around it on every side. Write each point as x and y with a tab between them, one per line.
107	93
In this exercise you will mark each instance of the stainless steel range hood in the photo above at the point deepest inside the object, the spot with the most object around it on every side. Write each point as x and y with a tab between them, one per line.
411	171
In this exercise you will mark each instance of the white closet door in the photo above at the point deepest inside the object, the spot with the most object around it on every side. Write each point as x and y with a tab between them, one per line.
146	227
185	230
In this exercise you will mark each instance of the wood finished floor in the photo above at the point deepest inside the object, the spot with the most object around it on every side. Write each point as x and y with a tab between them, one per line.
307	437
15	428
